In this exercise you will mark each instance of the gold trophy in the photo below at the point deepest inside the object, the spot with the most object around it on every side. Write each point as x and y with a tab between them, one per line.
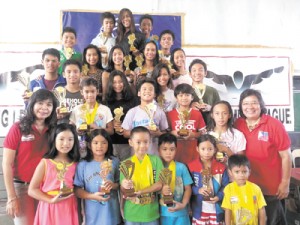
139	62
161	101
85	70
68	52
83	111
165	177
61	168
24	79
243	216
219	155
200	90
131	39
105	169
118	114
184	118
60	94
206	180
127	169
150	110
127	61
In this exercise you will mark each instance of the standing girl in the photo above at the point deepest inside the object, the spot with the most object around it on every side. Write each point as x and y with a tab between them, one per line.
97	181
23	148
230	140
119	95
126	32
92	65
52	182
179	71
165	98
210	178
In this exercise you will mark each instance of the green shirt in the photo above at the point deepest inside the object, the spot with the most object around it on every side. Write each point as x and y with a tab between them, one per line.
149	212
63	59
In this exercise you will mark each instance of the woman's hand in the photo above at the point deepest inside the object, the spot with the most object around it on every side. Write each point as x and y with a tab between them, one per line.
13	207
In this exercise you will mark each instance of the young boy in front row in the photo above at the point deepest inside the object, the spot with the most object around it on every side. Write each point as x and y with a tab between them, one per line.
243	202
180	185
143	207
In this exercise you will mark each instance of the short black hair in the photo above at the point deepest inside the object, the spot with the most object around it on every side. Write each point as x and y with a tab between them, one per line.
108	15
139	129
197	61
90	81
184	89
167	138
167	32
69	30
51	51
72	62
238	160
146	16
147	80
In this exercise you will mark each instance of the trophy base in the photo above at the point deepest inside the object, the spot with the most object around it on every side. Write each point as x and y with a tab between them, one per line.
64	192
83	127
220	156
207	198
104	190
168	200
63	110
127	72
183	132
129	192
144	72
152	127
132	48
120	130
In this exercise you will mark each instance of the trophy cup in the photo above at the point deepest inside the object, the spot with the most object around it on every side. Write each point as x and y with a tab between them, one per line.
150	110
118	113
60	94
139	62
165	177
161	101
64	190
243	216
127	169
83	111
127	61
184	118
131	39
85	70
219	155
24	79
200	90
206	180
105	169
68	52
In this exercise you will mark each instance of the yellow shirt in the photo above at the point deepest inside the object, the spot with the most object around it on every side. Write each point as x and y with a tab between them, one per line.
244	202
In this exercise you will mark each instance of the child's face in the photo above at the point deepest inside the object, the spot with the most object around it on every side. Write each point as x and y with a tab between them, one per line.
72	74
166	41
64	141
146	26
150	51
89	94
68	40
163	77
167	151
118	84
118	57
43	109
184	99
50	63
179	58
220	115
240	174
147	92
126	20
108	25
140	143
206	150
92	57
99	146
197	73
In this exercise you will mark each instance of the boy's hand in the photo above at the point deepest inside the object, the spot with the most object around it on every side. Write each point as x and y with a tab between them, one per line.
176	207
166	190
127	184
108	184
99	196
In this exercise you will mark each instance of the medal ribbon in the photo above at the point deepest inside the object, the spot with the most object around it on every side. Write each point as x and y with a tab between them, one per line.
90	116
143	173
172	167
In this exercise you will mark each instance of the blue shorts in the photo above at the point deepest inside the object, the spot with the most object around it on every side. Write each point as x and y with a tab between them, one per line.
169	220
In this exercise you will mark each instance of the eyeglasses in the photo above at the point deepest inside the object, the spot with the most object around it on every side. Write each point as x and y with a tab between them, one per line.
250	103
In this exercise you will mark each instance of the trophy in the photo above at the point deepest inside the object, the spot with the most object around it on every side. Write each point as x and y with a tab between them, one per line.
161	101
139	62
184	118
68	52
206	180
85	70
127	61
60	94
131	39
118	113
243	216
24	79
127	169
165	177
61	168
200	90
150	110
105	169
83	111
219	155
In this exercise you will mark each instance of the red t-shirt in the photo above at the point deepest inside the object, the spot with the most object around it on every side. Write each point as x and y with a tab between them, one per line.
262	149
29	153
186	149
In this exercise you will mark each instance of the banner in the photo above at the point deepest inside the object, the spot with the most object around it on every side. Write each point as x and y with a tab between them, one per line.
88	25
